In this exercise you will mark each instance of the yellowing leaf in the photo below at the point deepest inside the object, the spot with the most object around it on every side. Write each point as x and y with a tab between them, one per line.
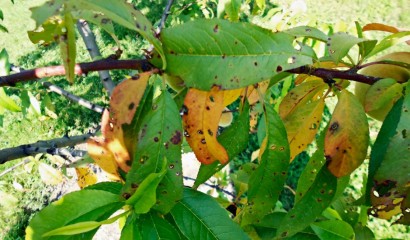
380	27
85	176
103	157
299	96
111	151
383	94
302	125
253	93
347	137
202	114
231	95
49	175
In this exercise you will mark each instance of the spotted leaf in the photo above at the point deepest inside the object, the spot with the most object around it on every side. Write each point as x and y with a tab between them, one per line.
124	101
347	137
302	126
205	53
85	176
202	112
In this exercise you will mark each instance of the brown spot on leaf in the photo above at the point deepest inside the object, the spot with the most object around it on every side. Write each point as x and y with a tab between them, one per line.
279	69
135	77
176	138
131	106
216	28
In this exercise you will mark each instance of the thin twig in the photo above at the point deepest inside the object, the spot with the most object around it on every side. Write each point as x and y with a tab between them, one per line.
212	186
81	101
94	51
49	146
27	160
165	15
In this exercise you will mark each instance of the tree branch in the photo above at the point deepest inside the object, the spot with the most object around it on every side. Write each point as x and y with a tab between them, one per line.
165	15
329	74
80	69
144	65
92	48
48	146
81	101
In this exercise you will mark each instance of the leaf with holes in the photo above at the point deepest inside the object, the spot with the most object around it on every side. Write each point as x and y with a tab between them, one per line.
339	44
202	111
160	136
43	12
390	192
299	96
199	216
85	176
302	125
205	53
311	205
347	137
233	142
383	95
266	183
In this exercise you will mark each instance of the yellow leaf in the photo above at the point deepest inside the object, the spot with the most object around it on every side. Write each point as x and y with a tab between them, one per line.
347	137
85	177
300	95
302	125
201	118
253	93
49	175
111	152
67	47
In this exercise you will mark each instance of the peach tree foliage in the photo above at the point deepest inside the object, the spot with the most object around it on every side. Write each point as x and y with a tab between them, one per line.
214	63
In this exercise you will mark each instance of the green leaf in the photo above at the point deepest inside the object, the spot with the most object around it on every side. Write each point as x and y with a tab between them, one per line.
390	41
1	15
313	203
155	227
50	8
82	227
68	47
70	208
306	31
333	229
98	19
3	28
387	131
232	9
131	229
383	94
49	31
240	178
160	136
266	183
363	233
7	103
4	63
30	103
391	181
205	53
145	196
124	14
112	187
199	217
233	142
339	45
267	228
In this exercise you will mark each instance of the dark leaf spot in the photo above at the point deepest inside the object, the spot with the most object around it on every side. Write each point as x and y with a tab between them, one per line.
156	139
135	77
131	106
216	28
176	138
279	69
